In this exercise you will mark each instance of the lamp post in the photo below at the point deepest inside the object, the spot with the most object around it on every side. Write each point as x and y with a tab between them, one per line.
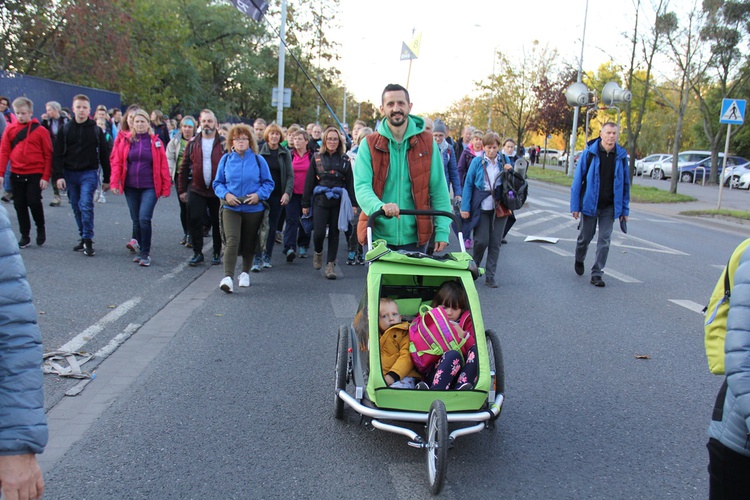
578	95
572	154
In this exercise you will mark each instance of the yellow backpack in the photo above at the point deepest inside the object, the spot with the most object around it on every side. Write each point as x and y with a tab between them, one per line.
717	310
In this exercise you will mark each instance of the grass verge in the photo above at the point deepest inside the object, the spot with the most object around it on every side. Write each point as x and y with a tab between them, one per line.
721	214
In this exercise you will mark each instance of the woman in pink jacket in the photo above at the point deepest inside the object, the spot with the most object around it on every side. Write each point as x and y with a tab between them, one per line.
140	171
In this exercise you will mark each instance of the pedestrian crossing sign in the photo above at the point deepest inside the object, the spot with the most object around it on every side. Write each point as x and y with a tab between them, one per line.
732	111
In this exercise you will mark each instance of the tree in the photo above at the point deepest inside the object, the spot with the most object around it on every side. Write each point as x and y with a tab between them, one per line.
553	115
510	90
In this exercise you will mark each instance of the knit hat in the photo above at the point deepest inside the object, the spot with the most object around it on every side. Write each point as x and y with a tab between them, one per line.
439	127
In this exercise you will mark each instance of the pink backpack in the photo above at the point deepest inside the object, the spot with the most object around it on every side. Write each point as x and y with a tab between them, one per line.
431	334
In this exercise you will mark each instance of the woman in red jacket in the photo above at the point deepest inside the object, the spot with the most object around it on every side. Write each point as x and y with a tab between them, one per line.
140	171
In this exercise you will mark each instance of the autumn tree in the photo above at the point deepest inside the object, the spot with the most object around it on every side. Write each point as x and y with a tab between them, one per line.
553	115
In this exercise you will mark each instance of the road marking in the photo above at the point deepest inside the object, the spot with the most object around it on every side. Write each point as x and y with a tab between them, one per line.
207	249
344	304
558	251
525	214
540	220
557	201
537	202
622	277
117	341
659	248
89	333
689	304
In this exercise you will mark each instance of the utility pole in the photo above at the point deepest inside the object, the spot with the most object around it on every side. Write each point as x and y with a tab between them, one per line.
573	133
282	55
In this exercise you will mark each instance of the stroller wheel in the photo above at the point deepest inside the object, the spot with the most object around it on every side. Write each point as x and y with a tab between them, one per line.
437	446
342	358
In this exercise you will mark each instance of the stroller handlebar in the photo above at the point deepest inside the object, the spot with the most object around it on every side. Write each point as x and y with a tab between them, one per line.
381	213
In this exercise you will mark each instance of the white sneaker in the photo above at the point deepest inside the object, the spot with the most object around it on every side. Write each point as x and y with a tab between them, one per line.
244	280
102	199
226	284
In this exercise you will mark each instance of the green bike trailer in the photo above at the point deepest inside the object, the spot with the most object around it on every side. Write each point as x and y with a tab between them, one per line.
411	279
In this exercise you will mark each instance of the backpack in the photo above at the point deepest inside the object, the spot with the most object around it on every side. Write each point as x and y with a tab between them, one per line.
717	310
512	190
20	136
431	334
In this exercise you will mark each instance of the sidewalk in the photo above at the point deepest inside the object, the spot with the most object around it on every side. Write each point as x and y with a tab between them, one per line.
707	197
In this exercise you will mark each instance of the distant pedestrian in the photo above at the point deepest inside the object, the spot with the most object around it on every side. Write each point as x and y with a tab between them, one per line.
80	149
28	146
296	239
600	194
197	172
175	152
140	172
54	120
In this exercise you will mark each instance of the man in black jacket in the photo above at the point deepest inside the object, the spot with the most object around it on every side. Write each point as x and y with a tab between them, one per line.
80	149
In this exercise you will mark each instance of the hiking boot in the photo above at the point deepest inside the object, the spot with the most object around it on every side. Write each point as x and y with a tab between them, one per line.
197	259
78	247
597	281
133	246
256	265
579	268
145	261
302	252
226	285
490	283
216	260
330	271
318	260
24	242
267	261
56	201
351	259
290	255
41	236
361	259
244	280
88	248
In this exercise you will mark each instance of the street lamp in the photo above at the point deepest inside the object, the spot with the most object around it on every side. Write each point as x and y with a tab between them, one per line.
578	95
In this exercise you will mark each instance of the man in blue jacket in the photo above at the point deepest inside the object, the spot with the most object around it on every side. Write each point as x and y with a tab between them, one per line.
600	194
23	425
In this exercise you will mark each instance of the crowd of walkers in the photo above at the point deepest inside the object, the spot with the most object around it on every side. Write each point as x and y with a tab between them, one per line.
247	188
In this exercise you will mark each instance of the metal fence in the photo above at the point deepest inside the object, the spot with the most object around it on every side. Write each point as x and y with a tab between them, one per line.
42	90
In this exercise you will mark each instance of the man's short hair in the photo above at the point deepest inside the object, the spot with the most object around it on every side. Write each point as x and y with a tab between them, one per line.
81	97
208	112
260	120
394	87
23	102
491	138
611	124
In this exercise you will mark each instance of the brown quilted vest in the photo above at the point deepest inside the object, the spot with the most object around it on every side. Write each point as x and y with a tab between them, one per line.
419	159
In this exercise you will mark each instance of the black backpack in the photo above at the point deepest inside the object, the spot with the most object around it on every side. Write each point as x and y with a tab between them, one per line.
511	189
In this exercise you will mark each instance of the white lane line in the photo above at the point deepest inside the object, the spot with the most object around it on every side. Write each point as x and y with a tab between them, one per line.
537	202
659	248
116	342
557	201
689	304
529	213
89	333
719	266
622	277
557	250
565	226
540	220
344	304
207	249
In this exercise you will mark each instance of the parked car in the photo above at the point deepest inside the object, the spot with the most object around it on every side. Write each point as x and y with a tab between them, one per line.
645	165
733	174
702	169
743	181
663	169
552	156
563	160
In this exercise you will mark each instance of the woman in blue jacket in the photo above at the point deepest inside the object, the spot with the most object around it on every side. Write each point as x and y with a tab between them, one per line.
243	181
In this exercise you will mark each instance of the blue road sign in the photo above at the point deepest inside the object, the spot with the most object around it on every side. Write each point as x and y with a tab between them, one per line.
732	111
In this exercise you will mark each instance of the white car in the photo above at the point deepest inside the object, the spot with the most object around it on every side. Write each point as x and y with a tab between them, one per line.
645	165
663	169
743	182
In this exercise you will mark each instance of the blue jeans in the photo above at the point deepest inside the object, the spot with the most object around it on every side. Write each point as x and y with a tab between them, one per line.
81	186
293	233
141	203
274	212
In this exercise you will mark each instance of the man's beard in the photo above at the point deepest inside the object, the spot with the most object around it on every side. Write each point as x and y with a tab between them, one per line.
397	119
208	130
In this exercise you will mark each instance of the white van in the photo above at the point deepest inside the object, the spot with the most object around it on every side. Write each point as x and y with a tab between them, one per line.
663	169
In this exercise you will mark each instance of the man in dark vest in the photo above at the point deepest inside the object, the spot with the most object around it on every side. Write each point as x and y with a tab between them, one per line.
399	167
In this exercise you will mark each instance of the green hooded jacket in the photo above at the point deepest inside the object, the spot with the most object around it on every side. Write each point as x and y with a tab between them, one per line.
401	231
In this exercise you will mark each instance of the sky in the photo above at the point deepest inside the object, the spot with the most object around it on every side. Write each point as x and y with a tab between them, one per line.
458	44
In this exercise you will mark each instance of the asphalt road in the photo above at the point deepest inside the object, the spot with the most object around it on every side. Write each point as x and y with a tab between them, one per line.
230	396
